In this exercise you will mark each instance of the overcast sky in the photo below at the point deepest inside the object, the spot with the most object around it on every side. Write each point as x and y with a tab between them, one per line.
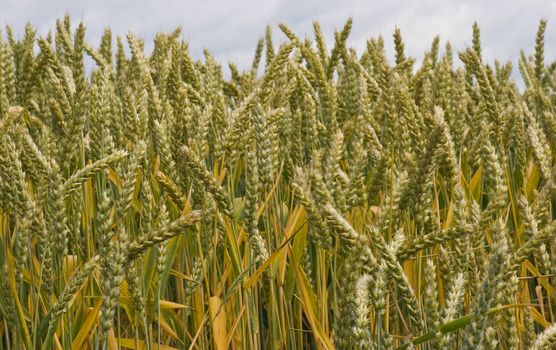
230	29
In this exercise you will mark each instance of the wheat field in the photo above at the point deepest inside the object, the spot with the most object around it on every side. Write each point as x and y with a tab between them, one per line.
321	199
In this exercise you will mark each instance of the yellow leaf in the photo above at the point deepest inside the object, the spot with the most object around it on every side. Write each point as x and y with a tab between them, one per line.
218	322
19	309
449	217
178	274
532	180
86	327
309	304
290	234
538	317
113	176
130	344
166	327
112	342
69	262
543	281
474	186
164	304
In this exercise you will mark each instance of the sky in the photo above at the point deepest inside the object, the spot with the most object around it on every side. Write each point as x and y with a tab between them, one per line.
230	29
